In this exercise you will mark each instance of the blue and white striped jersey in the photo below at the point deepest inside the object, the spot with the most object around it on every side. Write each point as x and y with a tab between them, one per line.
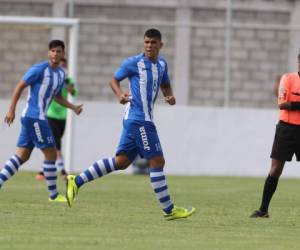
145	78
44	83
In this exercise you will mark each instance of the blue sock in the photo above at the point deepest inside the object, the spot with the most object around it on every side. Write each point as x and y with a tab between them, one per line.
10	168
159	185
51	178
97	170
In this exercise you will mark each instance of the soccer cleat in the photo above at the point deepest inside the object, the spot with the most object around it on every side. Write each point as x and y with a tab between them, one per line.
259	214
40	176
59	198
179	212
72	189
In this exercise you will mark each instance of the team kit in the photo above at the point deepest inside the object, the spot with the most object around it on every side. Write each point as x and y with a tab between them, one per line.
147	74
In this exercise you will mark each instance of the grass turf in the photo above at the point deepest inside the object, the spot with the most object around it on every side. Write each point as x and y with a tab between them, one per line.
121	212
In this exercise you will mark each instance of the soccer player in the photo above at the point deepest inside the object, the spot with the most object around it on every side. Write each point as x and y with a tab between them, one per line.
57	115
146	72
45	82
287	136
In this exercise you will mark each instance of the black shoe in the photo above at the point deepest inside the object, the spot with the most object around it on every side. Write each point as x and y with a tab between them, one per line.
259	214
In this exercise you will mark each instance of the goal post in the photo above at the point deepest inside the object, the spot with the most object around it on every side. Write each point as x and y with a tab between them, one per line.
73	29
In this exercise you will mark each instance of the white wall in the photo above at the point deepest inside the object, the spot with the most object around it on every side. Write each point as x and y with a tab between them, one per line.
196	141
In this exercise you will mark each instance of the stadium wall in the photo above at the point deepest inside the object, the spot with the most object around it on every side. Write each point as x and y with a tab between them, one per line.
263	45
196	140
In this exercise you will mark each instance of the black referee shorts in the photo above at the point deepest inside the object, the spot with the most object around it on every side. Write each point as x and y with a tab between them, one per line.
58	128
286	142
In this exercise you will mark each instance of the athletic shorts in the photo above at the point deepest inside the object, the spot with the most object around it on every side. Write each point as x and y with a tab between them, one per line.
35	133
58	128
139	137
286	142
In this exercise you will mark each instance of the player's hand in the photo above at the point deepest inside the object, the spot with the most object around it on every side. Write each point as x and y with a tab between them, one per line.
124	97
170	99
78	109
9	117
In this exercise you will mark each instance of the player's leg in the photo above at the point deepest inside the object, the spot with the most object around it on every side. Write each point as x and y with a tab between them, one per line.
24	149
101	168
49	169
149	147
270	186
58	134
283	149
126	152
13	164
161	190
97	170
159	183
58	128
42	138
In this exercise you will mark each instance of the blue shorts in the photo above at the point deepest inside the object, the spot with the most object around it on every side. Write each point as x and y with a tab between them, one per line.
139	137
35	133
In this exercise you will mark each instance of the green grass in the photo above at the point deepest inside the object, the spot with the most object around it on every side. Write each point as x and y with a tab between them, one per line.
121	212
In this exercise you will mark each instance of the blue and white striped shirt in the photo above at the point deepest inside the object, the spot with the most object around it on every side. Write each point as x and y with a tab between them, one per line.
145	78
44	83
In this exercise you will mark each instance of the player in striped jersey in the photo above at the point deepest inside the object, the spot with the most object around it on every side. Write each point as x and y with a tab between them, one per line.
45	82
147	73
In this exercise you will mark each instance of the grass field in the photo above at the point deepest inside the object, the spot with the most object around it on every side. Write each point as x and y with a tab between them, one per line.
121	212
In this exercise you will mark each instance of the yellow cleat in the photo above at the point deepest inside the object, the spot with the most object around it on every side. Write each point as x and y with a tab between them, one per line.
179	212
72	189
59	198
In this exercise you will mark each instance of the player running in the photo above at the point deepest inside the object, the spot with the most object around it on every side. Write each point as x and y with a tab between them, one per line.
57	117
45	81
147	72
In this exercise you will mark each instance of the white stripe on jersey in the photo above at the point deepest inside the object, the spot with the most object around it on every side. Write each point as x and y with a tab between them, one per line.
42	92
154	70
27	106
127	105
143	88
54	86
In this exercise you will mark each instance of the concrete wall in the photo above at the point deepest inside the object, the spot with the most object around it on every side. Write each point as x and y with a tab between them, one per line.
196	141
193	32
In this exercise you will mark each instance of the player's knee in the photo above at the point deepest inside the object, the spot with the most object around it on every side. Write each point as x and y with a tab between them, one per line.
50	154
122	162
276	168
24	158
23	154
158	161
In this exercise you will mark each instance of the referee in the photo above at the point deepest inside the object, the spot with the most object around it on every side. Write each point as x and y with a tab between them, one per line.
287	136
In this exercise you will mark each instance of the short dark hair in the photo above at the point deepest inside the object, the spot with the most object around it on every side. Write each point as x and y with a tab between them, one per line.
56	43
153	33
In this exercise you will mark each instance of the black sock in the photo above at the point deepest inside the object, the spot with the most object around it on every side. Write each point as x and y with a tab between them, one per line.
269	190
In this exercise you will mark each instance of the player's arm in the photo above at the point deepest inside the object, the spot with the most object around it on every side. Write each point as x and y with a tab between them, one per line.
64	102
70	86
167	91
123	96
283	97
10	115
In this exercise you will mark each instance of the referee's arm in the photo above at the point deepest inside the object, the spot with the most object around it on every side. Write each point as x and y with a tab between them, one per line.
290	106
